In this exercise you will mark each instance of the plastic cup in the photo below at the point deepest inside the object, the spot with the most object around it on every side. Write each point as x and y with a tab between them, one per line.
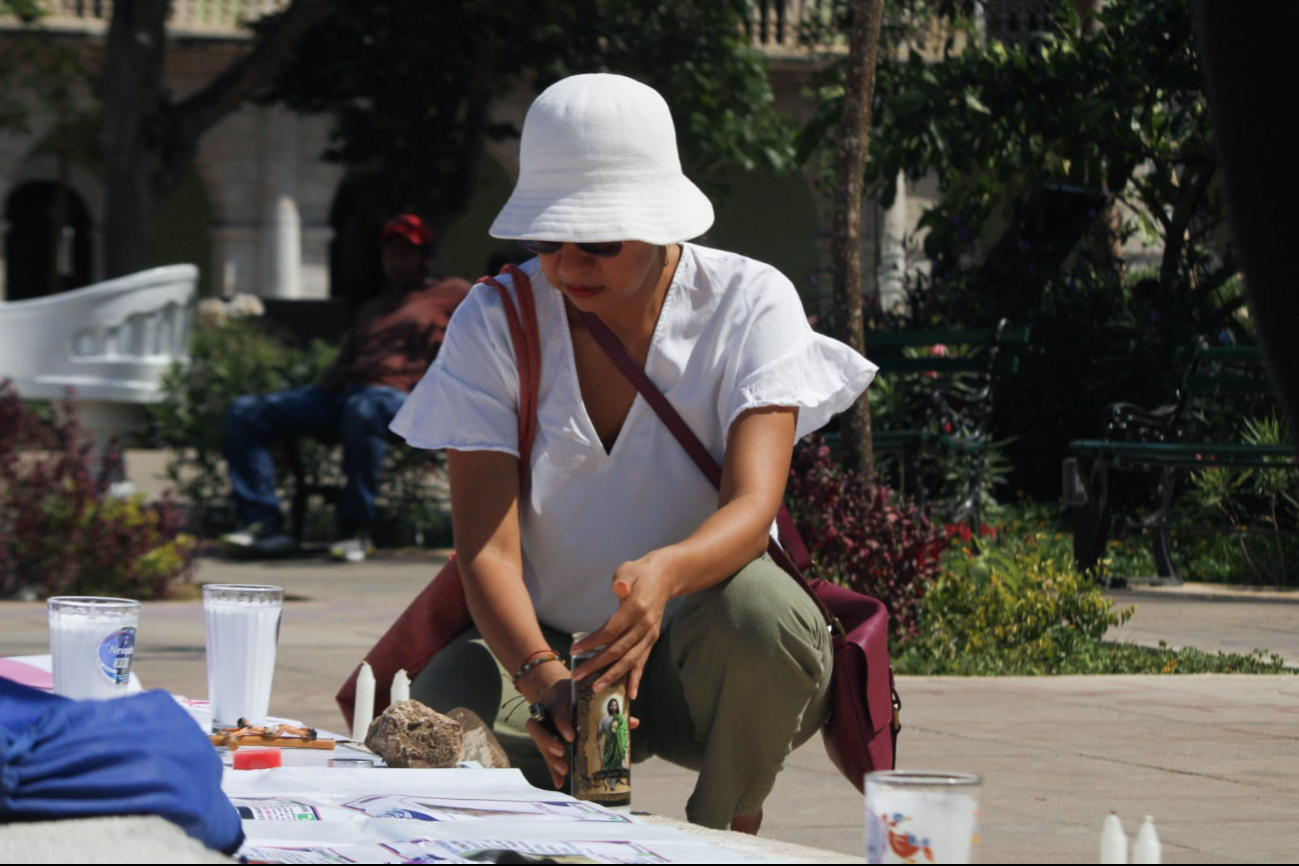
921	817
243	628
92	642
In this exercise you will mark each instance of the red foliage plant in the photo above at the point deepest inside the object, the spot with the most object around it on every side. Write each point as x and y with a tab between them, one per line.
862	534
60	531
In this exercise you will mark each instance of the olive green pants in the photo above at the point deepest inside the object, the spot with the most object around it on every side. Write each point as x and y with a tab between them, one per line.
738	679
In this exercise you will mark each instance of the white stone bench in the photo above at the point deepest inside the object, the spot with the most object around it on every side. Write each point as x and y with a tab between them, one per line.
110	342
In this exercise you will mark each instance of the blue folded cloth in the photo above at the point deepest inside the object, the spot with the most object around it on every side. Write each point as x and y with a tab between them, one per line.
137	755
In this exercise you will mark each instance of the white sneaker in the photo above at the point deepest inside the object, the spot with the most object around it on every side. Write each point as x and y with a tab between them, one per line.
255	540
351	549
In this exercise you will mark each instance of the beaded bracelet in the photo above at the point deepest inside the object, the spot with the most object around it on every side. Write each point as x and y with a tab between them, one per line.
530	656
537	662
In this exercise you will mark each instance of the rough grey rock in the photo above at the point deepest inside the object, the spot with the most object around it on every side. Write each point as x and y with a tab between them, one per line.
409	734
480	744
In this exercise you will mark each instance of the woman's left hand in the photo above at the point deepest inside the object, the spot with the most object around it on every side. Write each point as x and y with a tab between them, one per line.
643	588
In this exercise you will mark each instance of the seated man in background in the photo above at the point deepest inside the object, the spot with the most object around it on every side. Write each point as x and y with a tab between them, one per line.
385	353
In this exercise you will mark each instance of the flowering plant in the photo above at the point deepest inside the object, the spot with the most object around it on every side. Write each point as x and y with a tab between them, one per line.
61	532
864	535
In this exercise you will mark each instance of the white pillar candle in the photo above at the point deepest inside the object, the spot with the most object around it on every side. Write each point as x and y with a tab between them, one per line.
364	711
400	687
1145	847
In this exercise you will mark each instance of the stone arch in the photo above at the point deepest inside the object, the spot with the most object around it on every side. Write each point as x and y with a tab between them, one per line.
44	167
32	267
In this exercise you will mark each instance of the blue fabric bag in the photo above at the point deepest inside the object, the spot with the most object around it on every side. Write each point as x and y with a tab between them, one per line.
137	755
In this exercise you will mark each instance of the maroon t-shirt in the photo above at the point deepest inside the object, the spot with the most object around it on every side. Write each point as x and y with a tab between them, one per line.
397	336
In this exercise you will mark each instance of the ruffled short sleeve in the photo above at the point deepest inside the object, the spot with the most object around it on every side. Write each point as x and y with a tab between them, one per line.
469	398
783	362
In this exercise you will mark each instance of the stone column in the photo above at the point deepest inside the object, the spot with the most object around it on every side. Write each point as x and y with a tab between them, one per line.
234	260
893	250
281	271
315	261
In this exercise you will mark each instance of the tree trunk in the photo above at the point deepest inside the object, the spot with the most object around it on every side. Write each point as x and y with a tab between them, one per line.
852	138
132	82
150	144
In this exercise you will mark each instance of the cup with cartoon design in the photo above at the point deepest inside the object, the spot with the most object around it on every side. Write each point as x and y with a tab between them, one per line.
92	644
921	817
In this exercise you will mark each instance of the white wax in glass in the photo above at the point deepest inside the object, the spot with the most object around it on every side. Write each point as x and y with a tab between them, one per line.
241	640
82	648
931	825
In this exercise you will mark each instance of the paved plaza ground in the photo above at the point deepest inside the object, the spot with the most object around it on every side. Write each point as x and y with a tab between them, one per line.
1215	759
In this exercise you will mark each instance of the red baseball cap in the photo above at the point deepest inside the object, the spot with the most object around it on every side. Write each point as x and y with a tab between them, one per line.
409	228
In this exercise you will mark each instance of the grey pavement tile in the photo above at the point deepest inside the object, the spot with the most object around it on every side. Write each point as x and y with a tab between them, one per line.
1214	758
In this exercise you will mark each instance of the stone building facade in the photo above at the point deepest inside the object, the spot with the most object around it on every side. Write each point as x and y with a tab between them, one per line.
261	210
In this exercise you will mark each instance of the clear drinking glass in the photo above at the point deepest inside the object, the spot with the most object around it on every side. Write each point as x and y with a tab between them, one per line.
921	817
92	642
243	628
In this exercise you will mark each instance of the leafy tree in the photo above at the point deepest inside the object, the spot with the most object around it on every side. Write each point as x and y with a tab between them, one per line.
150	141
846	87
852	141
410	85
1031	144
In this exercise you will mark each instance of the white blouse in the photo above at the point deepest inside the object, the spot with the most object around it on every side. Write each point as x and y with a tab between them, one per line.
732	335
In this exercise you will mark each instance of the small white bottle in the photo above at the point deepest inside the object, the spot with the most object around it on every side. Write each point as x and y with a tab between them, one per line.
1146	847
1114	842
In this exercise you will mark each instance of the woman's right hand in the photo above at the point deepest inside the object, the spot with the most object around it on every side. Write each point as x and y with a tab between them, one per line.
557	697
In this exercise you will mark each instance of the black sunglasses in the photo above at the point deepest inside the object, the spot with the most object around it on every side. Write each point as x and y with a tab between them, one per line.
604	250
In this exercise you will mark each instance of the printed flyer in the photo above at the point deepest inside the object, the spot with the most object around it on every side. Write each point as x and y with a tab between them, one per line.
452	809
324	815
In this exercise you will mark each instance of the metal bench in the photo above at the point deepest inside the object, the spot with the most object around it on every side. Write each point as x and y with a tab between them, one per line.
1163	440
954	413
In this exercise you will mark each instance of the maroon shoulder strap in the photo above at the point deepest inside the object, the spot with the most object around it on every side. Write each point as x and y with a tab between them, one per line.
525	335
791	554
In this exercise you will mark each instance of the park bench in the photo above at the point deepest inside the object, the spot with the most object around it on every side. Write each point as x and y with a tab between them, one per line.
1164	441
947	397
411	482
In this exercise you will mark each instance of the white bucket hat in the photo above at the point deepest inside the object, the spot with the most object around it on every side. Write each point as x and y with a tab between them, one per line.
598	162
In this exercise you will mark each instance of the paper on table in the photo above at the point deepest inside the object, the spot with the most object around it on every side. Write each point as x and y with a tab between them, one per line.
338	838
468	809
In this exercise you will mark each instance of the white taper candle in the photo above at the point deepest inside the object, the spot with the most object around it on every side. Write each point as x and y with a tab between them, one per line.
1146	847
400	687
1114	842
364	711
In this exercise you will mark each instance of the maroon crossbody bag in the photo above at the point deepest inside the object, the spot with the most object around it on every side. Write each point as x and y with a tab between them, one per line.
861	730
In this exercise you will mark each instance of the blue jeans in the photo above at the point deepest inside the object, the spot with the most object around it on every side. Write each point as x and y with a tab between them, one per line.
254	424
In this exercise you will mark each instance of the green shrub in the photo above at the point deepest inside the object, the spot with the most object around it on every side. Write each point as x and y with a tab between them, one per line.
1260	504
1008	610
232	353
1021	608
